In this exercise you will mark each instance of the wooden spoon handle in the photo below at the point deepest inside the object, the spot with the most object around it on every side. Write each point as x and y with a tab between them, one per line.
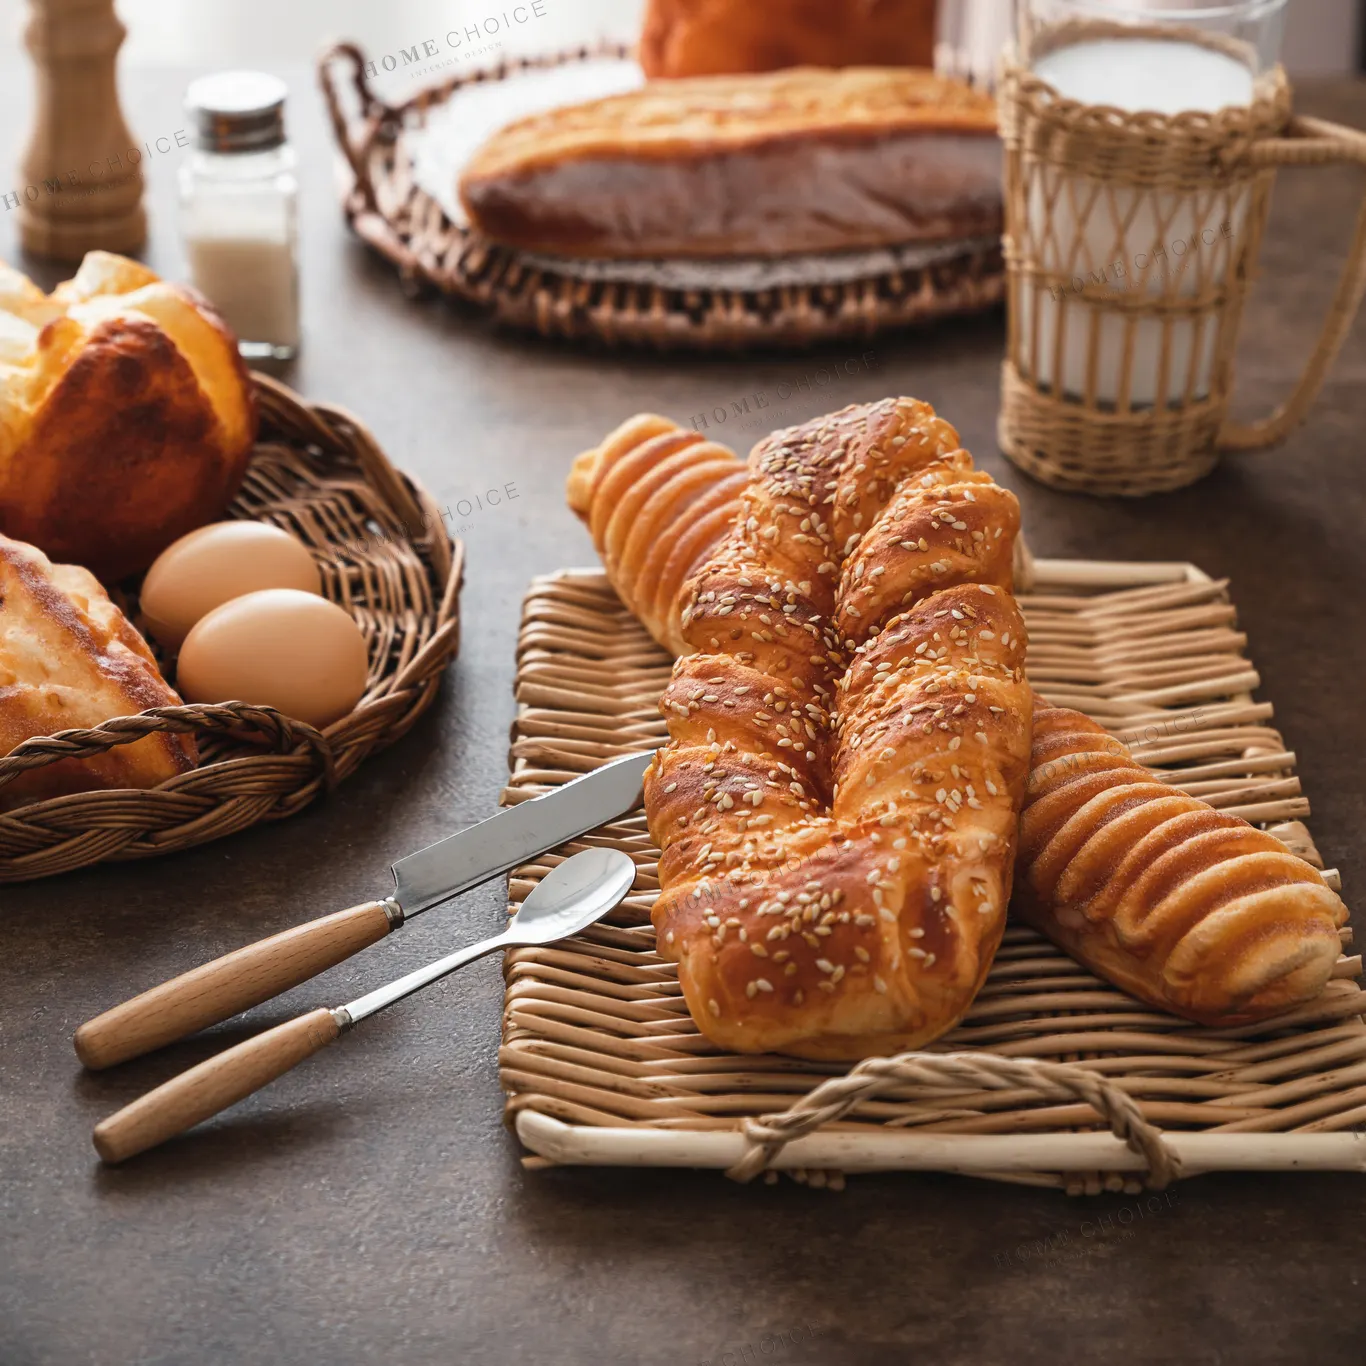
237	981
213	1085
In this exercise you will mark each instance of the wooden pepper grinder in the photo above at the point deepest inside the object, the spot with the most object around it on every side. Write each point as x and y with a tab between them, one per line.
83	171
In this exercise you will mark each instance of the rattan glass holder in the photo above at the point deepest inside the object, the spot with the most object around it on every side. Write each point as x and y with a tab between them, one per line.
381	544
1130	243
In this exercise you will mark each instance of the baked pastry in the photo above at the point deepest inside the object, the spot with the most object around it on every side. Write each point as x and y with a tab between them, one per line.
656	497
126	415
849	740
711	37
1182	906
70	660
722	166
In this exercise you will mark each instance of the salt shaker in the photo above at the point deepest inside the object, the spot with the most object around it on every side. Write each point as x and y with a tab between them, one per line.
239	209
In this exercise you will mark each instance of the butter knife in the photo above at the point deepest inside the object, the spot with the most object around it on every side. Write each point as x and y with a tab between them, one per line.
220	989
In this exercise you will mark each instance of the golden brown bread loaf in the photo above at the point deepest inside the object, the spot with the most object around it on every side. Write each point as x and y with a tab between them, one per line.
849	740
656	498
719	166
70	660
1183	906
710	37
126	415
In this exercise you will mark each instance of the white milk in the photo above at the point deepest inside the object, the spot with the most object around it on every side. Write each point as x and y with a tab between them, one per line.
1161	241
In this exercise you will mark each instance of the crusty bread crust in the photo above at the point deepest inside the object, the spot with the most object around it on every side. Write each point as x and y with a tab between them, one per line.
795	161
700	37
127	422
69	659
710	114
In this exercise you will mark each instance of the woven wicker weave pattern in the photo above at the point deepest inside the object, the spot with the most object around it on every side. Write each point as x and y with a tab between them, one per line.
385	557
388	209
595	1029
1077	176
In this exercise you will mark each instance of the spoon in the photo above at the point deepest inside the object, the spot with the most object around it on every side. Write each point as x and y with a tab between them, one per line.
572	896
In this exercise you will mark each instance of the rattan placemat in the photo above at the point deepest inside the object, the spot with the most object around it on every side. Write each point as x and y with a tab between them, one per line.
602	1064
388	208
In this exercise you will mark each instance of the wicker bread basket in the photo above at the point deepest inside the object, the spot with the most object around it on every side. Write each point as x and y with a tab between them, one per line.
390	211
385	557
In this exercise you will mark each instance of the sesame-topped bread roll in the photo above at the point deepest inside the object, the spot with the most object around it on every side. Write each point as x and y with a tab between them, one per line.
1183	906
849	740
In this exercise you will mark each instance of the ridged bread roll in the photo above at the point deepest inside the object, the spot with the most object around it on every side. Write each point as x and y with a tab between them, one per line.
656	497
1182	906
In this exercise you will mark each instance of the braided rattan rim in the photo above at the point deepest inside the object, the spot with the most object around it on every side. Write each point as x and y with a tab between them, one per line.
385	557
390	213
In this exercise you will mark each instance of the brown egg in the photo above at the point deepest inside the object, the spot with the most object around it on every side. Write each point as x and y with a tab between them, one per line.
215	564
279	648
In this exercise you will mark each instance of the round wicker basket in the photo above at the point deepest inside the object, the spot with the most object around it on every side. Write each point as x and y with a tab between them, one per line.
385	557
389	210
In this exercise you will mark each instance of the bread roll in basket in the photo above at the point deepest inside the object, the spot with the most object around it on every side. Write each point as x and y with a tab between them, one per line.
126	415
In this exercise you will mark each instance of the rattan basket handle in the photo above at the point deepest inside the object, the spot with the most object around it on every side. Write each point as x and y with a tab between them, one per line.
374	113
282	733
958	1072
1309	142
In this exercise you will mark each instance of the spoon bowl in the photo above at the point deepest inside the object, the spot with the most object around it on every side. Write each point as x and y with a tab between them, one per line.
572	896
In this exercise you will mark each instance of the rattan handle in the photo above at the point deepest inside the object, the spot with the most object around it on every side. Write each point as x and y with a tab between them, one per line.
373	111
958	1072
218	990
1309	142
215	1084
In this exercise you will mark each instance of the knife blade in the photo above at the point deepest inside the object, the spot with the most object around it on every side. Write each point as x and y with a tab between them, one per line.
464	860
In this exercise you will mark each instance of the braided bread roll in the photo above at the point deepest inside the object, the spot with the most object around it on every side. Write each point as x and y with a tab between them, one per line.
1183	906
656	497
849	740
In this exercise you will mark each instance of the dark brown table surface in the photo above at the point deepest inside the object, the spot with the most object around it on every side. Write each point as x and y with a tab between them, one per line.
372	1207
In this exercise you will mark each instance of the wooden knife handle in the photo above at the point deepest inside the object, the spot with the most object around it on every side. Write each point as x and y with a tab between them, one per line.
213	1085
220	989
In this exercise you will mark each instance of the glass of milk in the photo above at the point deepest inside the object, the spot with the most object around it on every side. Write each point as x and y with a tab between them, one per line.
238	208
1096	240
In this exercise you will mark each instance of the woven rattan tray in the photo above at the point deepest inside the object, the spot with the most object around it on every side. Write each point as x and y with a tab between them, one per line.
381	544
389	210
602	1064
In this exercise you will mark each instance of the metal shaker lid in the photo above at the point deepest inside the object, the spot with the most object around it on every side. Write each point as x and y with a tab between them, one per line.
237	111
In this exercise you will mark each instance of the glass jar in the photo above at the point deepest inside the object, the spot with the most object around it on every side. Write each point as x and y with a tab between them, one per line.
239	210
